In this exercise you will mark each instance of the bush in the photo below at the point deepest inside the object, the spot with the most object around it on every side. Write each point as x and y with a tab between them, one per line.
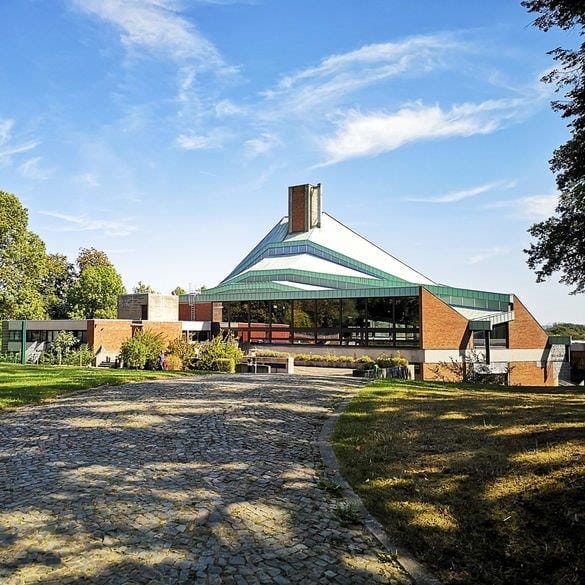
184	350
143	350
225	365
173	362
220	347
384	361
83	356
365	359
398	360
271	353
9	357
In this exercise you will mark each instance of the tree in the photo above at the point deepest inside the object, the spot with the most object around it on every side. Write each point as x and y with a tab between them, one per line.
560	240
575	330
95	293
178	291
142	289
59	278
63	345
91	257
22	263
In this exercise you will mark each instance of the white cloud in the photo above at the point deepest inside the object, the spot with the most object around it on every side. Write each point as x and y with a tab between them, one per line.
89	179
8	149
193	141
83	223
456	196
488	254
156	25
339	74
225	108
261	145
30	169
530	207
377	132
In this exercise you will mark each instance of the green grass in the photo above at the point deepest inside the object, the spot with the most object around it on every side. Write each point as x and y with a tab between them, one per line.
484	485
30	384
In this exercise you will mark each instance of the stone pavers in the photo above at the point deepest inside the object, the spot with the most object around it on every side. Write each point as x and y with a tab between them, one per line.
208	481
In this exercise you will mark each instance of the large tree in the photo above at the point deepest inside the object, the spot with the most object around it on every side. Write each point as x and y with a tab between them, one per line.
94	295
142	288
22	263
59	278
560	240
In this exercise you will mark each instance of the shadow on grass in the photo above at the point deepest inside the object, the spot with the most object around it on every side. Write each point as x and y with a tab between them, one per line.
484	485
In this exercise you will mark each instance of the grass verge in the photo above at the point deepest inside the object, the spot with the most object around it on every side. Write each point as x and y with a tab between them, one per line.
29	384
484	485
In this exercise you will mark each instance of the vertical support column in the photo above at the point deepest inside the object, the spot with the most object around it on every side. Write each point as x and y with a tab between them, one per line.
486	335
23	342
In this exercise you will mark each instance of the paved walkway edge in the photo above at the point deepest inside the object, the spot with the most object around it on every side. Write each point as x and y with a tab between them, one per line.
405	559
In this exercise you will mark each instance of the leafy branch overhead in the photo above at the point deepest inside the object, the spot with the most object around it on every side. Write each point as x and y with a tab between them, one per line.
560	240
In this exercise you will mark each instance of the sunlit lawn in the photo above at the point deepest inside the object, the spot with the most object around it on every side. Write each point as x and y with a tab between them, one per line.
25	384
486	486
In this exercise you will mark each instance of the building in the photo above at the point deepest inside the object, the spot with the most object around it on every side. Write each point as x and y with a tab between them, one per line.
148	312
313	284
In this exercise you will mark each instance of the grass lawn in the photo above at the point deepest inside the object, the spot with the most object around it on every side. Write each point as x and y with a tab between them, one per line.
484	485
25	384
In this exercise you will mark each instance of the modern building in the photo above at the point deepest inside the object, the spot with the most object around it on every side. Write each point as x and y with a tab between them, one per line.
314	284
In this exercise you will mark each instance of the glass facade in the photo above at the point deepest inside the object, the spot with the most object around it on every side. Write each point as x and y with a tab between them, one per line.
378	321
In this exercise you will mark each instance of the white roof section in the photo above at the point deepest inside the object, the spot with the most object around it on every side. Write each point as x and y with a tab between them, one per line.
305	262
471	314
338	237
301	285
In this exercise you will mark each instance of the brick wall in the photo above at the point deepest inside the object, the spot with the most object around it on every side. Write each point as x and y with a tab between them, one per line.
108	333
297	209
439	373
531	374
524	332
442	327
184	312
169	329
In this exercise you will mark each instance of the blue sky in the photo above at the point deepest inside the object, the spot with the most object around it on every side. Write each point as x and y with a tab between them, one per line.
166	132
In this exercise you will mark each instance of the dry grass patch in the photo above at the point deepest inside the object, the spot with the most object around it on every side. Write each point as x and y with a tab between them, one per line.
484	485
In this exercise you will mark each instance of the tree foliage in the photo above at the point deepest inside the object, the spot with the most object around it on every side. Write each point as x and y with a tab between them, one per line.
94	295
575	330
142	288
560	240
59	278
22	263
178	291
143	350
91	257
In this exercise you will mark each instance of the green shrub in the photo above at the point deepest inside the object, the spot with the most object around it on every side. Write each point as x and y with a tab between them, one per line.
143	350
10	357
384	361
173	362
271	353
365	359
225	365
184	350
398	360
220	347
83	356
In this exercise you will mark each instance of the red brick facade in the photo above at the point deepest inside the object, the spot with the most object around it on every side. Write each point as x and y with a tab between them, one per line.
442	327
298	210
524	332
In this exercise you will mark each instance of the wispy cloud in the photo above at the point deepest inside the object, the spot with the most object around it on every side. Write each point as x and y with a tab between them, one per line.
226	107
530	207
456	196
261	145
373	133
194	141
488	254
155	25
337	75
84	223
89	179
31	169
9	148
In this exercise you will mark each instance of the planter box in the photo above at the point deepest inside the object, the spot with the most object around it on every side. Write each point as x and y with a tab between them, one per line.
320	364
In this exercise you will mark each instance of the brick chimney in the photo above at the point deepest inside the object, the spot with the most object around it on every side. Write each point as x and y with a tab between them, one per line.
304	208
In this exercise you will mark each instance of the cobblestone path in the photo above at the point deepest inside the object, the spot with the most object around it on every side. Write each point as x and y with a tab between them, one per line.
208	481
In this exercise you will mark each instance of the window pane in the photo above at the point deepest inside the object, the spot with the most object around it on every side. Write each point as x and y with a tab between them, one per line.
328	336
355	336
304	336
281	320
304	313
407	313
407	339
259	321
328	313
239	312
380	312
353	313
380	337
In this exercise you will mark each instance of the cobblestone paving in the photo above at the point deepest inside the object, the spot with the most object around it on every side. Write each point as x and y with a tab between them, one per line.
208	481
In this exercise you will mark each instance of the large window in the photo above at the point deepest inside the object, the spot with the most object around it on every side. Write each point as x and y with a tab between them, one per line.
376	321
